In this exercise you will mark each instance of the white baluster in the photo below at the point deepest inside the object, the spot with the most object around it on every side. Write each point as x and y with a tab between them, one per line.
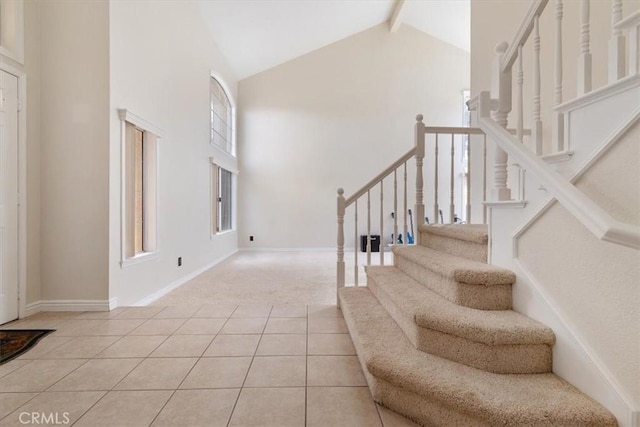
395	207
419	208
452	206
520	99
484	179
558	118
536	126
468	211
501	91
340	263
381	222
633	50
616	44
368	227
584	60
404	240
436	207
355	248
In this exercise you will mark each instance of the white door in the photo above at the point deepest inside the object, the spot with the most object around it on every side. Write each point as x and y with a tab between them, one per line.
8	197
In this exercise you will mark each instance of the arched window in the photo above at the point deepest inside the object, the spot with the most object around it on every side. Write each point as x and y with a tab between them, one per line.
222	119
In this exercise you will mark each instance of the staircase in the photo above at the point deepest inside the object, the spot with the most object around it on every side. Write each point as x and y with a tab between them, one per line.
439	343
442	335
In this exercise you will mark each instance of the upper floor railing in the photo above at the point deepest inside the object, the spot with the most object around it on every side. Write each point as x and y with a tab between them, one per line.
493	108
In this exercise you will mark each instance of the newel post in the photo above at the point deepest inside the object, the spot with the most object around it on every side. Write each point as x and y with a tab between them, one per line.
419	208
340	264
501	91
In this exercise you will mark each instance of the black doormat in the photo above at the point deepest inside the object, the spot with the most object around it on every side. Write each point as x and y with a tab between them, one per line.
14	342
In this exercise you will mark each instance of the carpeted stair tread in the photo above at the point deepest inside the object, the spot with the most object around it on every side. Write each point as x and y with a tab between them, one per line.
461	270
475	233
430	310
461	391
463	240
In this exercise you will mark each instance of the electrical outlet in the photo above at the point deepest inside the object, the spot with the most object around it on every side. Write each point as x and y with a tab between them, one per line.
179	261
251	238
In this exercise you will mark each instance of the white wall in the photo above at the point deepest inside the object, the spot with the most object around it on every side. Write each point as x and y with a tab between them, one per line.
74	47
161	58
335	118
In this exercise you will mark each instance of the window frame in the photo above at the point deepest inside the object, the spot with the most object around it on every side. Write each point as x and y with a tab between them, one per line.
216	166
232	105
152	135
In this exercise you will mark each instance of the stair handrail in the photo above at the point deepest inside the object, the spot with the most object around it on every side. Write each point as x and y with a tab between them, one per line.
382	175
398	169
536	7
584	209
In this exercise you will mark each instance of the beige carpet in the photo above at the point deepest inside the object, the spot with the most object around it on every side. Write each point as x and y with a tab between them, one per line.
299	277
438	343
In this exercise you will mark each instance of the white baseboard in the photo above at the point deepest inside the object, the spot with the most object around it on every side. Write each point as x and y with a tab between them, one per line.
32	308
325	249
70	305
181	281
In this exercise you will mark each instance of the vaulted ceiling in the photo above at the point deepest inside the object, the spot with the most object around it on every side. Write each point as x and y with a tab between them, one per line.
255	35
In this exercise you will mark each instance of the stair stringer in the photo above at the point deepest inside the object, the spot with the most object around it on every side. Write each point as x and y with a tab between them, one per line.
609	107
574	359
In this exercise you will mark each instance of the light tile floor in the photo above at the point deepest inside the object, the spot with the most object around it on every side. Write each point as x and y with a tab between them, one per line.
247	365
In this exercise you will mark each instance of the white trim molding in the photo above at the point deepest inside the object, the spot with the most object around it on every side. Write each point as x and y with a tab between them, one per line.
70	305
506	204
591	160
561	156
329	249
12	18
139	258
610	90
222	82
590	214
30	309
22	185
127	116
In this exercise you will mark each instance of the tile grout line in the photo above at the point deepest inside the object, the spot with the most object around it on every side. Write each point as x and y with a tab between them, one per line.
90	408
249	369
215	335
148	357
306	372
142	359
173	393
198	358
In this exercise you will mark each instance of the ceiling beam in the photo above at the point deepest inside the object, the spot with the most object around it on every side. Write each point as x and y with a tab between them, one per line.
396	15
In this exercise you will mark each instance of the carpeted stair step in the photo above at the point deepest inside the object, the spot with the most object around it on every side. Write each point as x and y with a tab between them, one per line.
464	240
460	280
438	392
500	341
